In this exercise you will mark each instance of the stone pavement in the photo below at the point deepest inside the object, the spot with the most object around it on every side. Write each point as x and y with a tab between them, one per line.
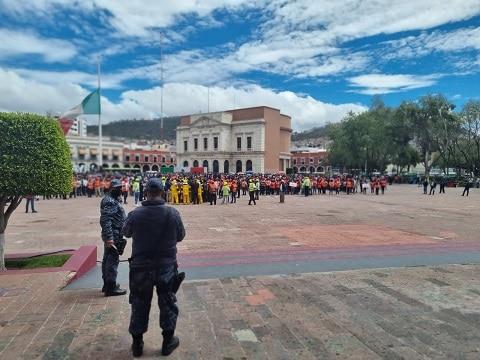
402	217
406	313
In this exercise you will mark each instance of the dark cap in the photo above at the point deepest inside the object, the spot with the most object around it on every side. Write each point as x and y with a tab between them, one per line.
154	184
115	183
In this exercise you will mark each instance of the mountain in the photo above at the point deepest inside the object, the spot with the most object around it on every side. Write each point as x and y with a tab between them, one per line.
317	137
138	129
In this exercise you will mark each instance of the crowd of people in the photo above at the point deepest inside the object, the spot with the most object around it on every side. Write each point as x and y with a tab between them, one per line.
199	189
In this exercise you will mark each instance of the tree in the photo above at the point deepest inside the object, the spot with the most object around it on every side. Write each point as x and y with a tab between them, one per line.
34	160
468	145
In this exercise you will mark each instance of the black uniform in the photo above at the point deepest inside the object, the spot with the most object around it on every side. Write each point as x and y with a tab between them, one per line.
112	218
156	229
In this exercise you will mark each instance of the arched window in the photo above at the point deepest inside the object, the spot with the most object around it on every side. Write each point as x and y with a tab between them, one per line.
155	167
238	166
295	169
136	166
145	168
195	163
215	167
205	164
311	169
303	169
185	163
226	166
320	169
115	166
248	166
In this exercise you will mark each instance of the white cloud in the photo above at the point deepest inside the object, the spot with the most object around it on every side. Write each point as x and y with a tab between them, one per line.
14	43
436	41
373	84
29	94
132	17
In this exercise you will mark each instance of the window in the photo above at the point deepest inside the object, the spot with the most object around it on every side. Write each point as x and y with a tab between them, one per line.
303	161
171	160
249	143
137	158
239	143
205	143
195	144
185	145
294	161
146	158
115	157
93	157
215	143
155	159
127	157
163	160
311	161
105	157
81	156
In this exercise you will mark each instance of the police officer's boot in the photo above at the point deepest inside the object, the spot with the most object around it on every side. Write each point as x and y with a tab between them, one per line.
137	346
170	343
104	287
112	290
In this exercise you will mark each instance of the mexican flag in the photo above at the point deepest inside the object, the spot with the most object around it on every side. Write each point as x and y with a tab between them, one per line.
89	105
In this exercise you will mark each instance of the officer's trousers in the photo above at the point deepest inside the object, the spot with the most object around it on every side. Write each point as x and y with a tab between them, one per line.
110	267
142	282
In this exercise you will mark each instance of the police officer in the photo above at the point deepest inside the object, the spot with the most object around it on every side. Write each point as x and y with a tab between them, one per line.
156	229
112	218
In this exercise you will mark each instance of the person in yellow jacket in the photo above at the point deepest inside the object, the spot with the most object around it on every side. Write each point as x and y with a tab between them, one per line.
200	192
186	192
174	191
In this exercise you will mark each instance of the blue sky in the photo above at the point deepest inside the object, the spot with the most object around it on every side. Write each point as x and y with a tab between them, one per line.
315	60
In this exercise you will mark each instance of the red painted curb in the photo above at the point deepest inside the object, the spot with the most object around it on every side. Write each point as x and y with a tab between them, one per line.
82	261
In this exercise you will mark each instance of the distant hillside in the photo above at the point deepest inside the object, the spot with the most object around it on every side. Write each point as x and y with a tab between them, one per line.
138	129
317	137
317	132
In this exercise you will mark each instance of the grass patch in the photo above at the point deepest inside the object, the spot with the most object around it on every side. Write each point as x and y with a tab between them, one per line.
38	262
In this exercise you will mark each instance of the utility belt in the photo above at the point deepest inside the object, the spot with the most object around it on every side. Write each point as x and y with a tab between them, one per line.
149	265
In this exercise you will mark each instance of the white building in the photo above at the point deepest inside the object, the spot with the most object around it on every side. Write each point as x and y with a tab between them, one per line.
85	153
253	139
78	128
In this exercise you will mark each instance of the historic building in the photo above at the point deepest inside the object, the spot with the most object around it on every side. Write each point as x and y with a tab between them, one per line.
310	160
253	139
154	158
86	157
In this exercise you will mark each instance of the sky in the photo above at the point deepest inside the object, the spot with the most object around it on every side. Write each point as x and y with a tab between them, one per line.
315	60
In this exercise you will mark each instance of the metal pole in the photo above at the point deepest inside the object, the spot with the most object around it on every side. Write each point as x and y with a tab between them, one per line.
100	145
161	89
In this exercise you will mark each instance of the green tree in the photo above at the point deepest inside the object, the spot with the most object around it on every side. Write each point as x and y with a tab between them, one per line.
34	159
468	145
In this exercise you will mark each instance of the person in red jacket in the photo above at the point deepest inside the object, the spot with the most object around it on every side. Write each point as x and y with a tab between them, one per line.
383	184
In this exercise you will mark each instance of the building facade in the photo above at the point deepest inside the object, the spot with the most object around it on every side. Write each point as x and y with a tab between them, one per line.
253	139
86	157
78	128
310	160
153	159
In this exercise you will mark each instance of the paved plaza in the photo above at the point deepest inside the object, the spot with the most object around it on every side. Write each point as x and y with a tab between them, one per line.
259	284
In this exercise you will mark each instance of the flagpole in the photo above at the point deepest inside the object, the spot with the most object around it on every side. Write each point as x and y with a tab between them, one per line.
161	90
100	144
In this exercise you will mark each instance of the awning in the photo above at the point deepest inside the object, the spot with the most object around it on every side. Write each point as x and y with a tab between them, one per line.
93	151
116	152
106	151
82	151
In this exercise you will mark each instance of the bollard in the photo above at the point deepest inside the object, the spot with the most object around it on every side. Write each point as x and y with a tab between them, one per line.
282	197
